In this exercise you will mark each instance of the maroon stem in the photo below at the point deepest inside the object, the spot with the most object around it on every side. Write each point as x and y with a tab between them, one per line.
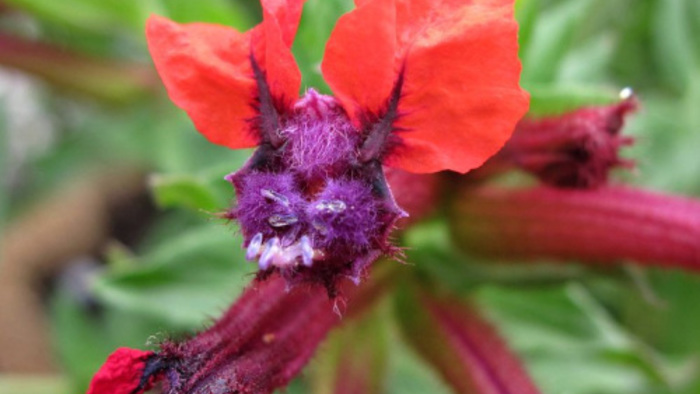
605	225
465	348
264	339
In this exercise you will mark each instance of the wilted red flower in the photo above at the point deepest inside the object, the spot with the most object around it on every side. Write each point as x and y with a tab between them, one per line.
420	85
574	150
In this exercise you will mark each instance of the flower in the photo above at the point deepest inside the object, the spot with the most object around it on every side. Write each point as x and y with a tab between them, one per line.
433	86
423	86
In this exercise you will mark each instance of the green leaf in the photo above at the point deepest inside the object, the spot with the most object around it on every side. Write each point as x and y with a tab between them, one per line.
91	15
673	42
357	352
314	29
408	373
551	39
548	100
667	136
430	251
526	13
4	165
565	337
184	191
587	63
667	323
224	12
185	281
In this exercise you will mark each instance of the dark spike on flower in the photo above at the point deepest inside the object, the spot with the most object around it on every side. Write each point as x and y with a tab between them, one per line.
575	150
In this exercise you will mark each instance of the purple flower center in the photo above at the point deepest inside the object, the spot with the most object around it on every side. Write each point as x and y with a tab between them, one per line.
311	208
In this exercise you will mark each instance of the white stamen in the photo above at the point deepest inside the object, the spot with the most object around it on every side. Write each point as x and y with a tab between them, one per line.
307	252
254	247
272	248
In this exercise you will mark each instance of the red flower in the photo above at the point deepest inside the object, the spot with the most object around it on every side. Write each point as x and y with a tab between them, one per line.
457	105
421	85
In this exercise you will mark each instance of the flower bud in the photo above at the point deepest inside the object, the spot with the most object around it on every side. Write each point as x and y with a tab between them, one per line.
574	150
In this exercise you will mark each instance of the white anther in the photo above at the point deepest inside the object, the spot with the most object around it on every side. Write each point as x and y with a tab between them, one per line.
254	247
272	248
307	252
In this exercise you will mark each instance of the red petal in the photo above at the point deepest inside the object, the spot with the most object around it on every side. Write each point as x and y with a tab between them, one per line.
287	14
121	373
282	74
359	60
460	98
207	72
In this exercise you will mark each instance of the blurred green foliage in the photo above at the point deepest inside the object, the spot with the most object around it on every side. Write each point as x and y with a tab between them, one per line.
578	331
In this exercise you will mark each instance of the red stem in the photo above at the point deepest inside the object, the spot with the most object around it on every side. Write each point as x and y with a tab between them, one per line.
465	348
264	339
606	225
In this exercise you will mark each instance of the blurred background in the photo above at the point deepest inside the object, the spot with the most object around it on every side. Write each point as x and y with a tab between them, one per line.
108	196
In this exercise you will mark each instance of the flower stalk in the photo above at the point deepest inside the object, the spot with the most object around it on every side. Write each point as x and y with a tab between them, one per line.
258	345
604	226
466	350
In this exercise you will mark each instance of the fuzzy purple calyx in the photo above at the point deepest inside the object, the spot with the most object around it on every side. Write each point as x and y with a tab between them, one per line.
312	207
